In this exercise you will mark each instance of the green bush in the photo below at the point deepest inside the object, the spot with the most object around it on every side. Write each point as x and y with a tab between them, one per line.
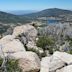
68	38
11	66
70	52
46	43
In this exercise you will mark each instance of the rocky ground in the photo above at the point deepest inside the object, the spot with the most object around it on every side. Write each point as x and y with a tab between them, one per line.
21	46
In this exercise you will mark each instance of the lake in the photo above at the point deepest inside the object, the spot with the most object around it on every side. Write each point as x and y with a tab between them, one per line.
51	21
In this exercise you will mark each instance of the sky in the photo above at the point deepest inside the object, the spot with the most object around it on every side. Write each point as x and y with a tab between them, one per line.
34	4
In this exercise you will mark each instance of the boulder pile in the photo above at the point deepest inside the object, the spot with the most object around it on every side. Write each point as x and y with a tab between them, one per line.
14	47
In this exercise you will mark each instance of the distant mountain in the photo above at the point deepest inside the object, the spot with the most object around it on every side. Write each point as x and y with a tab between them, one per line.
50	12
22	12
10	18
25	18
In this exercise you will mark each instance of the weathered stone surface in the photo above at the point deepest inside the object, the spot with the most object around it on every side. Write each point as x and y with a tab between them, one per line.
55	63
45	64
28	30
65	57
13	46
6	39
50	64
8	46
28	62
26	34
66	69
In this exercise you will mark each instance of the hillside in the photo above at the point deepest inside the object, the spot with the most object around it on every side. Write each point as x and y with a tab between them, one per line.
10	18
9	21
21	12
50	12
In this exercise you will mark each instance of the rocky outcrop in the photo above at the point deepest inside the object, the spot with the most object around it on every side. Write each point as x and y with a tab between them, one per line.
50	64
27	30
12	46
22	35
26	34
59	60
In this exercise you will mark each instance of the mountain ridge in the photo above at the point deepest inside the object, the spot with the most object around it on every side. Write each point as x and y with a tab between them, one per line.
50	12
10	18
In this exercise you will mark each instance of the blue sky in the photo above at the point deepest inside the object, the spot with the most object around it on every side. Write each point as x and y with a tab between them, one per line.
34	4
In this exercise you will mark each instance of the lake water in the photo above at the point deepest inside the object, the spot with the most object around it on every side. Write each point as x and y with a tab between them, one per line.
51	21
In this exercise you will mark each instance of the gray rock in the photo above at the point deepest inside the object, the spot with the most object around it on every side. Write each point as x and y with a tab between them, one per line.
66	69
63	56
28	62
27	30
26	34
50	64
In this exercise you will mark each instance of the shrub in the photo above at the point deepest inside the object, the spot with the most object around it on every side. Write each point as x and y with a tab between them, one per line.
68	38
11	66
46	43
70	51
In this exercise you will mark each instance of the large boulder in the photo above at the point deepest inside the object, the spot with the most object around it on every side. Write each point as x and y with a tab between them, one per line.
27	30
65	57
28	62
50	64
55	63
26	34
9	45
66	69
13	46
6	39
